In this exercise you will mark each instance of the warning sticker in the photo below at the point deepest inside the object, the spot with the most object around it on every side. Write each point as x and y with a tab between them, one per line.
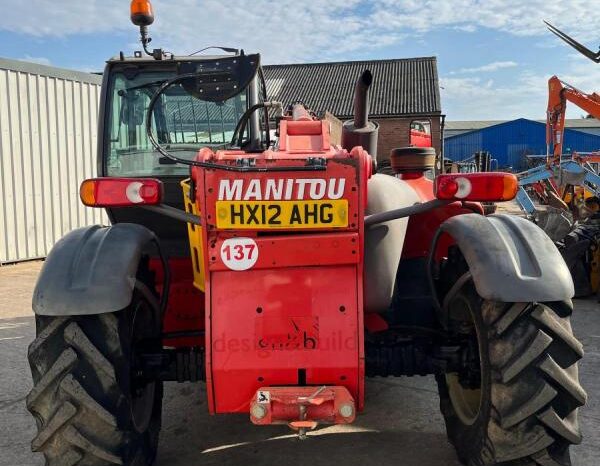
263	397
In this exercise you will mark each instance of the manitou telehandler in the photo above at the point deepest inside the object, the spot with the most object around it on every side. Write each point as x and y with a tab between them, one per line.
294	272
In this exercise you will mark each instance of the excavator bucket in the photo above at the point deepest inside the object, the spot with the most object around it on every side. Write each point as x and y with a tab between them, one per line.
594	56
557	223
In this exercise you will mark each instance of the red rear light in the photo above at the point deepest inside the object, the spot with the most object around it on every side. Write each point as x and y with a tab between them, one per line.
120	192
476	186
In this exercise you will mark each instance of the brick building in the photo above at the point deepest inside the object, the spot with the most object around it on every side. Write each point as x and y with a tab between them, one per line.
403	91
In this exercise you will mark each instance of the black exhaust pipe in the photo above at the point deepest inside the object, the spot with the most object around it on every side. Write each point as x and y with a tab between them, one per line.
361	99
361	131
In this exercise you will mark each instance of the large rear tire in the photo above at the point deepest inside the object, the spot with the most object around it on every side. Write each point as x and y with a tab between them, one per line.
91	408
522	409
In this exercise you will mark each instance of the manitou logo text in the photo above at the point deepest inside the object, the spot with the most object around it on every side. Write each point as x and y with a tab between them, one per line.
281	190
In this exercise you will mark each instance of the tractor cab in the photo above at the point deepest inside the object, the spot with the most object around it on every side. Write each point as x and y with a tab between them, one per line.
196	112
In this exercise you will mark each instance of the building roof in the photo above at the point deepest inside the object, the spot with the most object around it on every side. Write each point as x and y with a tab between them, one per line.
400	87
480	124
512	142
50	71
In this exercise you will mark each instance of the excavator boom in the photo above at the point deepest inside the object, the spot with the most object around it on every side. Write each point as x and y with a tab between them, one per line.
559	93
594	56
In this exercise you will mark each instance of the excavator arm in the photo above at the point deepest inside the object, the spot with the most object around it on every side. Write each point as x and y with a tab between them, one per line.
594	56
559	93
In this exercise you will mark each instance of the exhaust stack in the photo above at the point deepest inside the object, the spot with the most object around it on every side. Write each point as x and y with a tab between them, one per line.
361	131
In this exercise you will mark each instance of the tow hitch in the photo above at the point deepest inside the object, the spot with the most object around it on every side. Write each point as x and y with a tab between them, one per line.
302	408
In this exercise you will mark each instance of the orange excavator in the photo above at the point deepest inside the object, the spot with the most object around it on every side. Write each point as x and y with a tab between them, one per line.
560	181
573	183
559	93
573	180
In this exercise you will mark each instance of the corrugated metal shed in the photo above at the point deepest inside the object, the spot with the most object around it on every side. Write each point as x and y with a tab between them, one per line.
48	131
454	128
400	87
510	141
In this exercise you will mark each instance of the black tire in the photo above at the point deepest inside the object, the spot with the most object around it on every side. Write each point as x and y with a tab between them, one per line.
529	390
89	407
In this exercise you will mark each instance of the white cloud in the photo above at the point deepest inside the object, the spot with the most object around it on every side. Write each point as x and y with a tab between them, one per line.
38	60
494	66
288	31
472	98
524	18
283	31
466	28
42	18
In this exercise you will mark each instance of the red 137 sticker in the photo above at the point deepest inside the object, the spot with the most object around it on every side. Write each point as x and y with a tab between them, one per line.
239	253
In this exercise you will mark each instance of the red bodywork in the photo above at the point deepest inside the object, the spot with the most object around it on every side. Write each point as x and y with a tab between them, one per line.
295	316
292	319
185	310
422	227
420	133
420	138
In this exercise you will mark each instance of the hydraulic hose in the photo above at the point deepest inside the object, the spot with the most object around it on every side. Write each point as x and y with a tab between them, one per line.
404	212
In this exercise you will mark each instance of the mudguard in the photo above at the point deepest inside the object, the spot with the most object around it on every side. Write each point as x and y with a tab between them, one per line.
384	242
91	270
510	258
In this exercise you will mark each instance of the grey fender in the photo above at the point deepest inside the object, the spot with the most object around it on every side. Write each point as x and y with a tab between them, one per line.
91	270
384	241
510	258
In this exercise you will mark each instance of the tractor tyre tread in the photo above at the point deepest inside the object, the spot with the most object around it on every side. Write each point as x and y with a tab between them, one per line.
534	396
76	425
79	394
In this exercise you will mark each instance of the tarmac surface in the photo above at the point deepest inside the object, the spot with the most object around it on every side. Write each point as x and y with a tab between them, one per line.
401	424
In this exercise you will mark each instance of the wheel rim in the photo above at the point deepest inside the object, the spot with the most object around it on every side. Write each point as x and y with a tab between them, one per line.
466	401
142	392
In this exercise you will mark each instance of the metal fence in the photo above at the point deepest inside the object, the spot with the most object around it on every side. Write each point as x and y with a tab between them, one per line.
48	134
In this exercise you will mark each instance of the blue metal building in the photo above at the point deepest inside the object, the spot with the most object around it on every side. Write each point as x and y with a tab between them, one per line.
511	141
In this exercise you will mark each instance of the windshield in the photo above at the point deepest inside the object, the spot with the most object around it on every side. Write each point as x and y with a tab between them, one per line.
181	123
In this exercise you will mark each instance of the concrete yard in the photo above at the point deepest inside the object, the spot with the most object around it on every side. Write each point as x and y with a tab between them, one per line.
401	424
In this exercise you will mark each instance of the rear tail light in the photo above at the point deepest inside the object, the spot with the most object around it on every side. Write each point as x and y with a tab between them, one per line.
476	186
120	192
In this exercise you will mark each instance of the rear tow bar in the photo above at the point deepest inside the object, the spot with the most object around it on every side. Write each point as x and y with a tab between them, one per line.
302	408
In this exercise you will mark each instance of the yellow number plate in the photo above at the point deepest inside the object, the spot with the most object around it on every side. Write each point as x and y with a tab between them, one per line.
282	214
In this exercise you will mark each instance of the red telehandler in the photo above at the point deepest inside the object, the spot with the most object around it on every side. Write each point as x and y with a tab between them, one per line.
294	272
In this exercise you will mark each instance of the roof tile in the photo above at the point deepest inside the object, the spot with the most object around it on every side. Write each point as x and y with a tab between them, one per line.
400	87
